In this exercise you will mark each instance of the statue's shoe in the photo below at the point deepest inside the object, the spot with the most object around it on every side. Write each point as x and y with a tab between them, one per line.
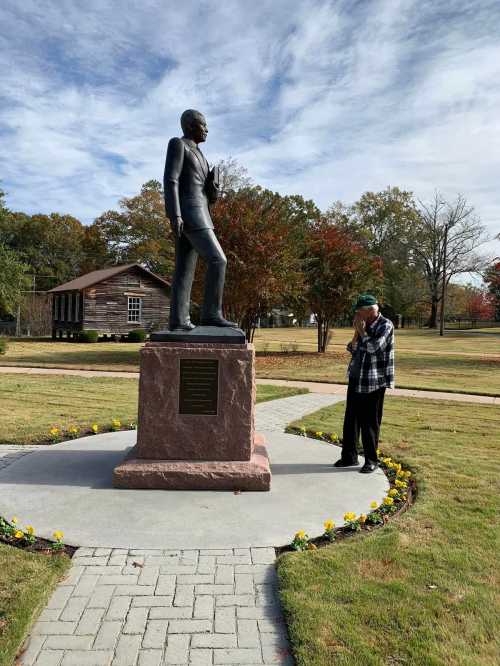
219	321
188	326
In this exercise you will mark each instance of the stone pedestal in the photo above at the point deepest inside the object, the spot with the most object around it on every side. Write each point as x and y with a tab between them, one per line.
196	420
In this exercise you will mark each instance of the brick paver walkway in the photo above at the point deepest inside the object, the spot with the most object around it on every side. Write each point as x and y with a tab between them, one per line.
156	607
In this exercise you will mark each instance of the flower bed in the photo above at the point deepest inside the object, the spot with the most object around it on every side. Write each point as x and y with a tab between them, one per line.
59	433
400	496
26	539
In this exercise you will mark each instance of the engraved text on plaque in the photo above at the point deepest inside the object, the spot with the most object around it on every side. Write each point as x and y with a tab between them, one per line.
199	386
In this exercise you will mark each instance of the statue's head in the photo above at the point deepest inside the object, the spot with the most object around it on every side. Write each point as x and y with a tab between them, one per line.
194	125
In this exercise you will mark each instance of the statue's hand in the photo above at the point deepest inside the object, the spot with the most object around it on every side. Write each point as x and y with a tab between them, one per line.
177	225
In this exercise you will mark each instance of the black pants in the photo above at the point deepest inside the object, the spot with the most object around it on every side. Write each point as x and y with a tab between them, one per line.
363	413
189	246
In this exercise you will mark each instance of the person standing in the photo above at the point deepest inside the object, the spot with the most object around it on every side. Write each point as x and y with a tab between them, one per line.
370	372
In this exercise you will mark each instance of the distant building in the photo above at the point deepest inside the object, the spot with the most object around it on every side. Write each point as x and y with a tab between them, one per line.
111	301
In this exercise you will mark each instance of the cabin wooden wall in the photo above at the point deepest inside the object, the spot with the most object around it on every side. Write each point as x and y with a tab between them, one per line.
105	304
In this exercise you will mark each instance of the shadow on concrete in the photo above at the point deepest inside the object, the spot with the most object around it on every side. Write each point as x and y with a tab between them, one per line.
88	469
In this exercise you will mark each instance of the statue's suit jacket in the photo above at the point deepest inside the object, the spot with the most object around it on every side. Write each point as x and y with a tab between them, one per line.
185	185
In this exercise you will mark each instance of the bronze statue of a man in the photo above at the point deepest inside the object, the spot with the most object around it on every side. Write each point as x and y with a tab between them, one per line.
189	186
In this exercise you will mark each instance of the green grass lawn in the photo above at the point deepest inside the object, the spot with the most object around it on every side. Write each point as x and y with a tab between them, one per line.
31	404
26	581
423	590
460	361
465	374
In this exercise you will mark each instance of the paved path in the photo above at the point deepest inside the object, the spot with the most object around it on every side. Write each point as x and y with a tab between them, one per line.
155	607
186	605
314	387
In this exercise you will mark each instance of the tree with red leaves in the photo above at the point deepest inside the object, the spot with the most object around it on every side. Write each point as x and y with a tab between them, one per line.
262	235
492	279
480	305
336	267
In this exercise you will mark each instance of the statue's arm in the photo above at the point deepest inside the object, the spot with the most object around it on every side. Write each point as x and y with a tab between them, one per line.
173	168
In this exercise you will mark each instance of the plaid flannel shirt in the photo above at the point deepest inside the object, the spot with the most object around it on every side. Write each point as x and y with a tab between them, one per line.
376	363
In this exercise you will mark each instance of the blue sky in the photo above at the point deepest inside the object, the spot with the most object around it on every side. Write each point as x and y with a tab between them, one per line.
323	99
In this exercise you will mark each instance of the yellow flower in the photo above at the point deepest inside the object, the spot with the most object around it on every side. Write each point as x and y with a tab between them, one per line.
95	428
334	437
349	516
362	518
13	520
401	473
386	460
388	501
407	474
400	484
393	492
329	525
379	452
53	432
73	430
319	434
374	504
30	530
58	535
18	534
300	534
116	423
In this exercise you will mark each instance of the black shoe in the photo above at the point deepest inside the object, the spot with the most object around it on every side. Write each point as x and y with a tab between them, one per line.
219	321
368	467
187	326
343	463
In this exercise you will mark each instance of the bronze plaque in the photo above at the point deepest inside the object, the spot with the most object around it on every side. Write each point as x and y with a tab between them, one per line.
199	386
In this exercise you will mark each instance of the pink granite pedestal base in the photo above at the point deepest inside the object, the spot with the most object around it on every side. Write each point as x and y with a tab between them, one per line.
253	474
196	427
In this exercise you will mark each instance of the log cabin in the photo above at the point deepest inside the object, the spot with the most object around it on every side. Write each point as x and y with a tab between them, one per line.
112	301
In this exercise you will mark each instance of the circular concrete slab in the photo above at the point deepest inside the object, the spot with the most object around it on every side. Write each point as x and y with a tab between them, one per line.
68	487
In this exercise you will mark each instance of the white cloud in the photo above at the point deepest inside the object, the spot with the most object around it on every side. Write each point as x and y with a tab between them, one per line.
318	98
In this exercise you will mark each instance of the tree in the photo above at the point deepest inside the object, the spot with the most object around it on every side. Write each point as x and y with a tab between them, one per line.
256	230
492	279
13	280
139	232
479	305
232	176
336	267
447	235
386	221
51	245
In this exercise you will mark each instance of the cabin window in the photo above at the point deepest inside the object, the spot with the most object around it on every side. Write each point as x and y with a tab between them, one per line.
77	307
134	309
63	308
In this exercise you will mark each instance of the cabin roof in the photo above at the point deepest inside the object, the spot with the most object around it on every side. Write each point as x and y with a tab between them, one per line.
94	277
